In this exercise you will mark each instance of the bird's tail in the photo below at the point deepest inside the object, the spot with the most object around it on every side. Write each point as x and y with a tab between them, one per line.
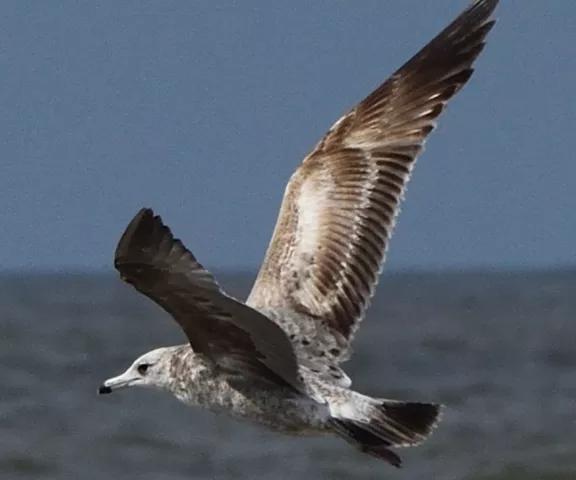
373	425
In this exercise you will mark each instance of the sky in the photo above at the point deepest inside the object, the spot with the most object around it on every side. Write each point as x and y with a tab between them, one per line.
202	110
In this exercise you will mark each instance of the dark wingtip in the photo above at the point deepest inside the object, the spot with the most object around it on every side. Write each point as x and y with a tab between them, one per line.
481	8
145	216
142	225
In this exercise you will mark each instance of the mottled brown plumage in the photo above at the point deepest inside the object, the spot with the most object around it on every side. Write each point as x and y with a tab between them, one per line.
275	360
340	206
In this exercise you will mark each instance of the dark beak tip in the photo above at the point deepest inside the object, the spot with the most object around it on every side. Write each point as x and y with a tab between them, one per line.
103	390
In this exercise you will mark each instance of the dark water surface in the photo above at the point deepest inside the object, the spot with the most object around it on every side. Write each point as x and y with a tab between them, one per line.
498	349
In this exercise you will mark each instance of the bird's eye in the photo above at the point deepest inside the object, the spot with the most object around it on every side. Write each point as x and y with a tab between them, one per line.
143	368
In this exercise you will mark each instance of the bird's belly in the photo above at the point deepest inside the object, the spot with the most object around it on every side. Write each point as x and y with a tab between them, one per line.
275	410
288	416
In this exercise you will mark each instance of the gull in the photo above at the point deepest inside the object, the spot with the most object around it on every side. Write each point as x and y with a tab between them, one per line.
275	360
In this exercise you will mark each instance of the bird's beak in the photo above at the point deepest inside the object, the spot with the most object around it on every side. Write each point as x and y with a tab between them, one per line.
103	389
115	383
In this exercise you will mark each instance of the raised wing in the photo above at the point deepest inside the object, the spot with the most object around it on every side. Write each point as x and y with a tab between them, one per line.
339	208
240	341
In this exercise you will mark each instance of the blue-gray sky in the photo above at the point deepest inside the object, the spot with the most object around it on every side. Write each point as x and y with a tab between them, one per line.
202	110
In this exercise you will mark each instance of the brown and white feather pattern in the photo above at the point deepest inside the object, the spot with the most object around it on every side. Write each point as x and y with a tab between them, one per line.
275	361
340	206
240	342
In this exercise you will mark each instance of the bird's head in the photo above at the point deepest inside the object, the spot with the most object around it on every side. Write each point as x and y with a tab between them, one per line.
149	370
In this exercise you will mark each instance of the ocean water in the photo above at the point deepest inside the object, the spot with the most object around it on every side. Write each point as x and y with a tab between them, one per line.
499	349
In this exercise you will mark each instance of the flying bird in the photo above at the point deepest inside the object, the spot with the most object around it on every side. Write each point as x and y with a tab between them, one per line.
276	359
